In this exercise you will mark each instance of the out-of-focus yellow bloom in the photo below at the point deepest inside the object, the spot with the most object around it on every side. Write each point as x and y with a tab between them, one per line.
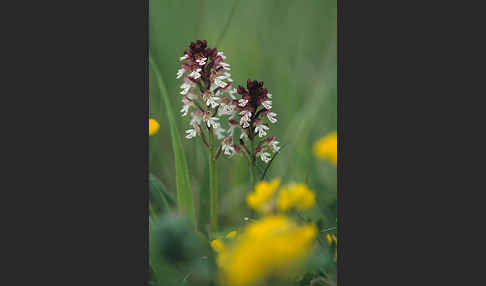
326	148
231	234
296	195
217	245
334	237
260	199
272	247
154	126
329	239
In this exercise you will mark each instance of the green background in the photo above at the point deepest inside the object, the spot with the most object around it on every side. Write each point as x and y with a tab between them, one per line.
289	45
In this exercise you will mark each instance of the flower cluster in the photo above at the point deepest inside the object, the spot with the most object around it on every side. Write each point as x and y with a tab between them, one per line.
208	93
291	196
272	247
260	199
296	196
254	110
206	82
326	148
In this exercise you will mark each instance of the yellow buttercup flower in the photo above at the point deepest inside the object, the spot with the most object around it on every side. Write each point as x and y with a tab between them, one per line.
217	245
272	247
326	148
260	199
296	195
154	126
231	234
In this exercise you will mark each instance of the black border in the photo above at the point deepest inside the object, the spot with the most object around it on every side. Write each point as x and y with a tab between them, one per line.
340	190
84	219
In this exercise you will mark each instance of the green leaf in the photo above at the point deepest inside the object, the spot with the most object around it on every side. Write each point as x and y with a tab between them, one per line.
161	200
184	194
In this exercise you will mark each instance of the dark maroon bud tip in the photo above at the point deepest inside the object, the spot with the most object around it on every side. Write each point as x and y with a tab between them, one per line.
241	90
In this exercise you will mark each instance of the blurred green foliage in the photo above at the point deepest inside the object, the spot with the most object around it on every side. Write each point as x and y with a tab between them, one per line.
177	254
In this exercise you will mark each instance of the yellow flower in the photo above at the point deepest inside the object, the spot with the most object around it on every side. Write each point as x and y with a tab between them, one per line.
326	148
153	126
329	239
231	234
272	247
260	199
217	245
296	195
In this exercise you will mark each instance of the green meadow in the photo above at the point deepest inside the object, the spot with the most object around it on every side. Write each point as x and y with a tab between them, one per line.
292	47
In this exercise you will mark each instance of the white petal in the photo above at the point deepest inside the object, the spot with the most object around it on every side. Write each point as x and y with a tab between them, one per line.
242	102
267	104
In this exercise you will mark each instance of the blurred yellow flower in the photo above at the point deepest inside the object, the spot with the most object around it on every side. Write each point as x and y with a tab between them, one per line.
260	199
332	239
231	234
296	195
329	238
326	148
272	247
153	126
217	245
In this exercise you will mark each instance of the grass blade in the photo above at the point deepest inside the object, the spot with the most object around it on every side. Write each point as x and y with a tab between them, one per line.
161	200
185	201
228	22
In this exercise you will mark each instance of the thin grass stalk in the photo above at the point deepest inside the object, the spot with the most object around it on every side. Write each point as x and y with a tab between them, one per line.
185	202
213	184
252	166
228	22
252	174
252	159
152	211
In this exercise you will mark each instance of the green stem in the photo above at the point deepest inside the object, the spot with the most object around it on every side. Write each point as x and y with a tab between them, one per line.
213	186
252	168
252	175
152	211
252	161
